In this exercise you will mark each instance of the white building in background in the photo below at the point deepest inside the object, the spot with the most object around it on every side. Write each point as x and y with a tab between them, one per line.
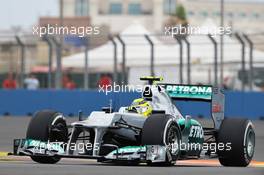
118	14
243	15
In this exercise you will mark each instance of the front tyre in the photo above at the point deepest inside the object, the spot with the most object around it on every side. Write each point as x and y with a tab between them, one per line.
240	135
162	129
40	128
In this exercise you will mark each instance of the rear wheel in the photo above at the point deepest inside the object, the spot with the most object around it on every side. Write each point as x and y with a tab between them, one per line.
240	135
47	126
161	129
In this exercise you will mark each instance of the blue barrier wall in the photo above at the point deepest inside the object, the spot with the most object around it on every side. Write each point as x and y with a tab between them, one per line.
24	102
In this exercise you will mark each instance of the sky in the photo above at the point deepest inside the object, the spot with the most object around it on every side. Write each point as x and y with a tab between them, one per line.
25	13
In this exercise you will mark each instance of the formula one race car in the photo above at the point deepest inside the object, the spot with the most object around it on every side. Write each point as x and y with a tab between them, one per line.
151	130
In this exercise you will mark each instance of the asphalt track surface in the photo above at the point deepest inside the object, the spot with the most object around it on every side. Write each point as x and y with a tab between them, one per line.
11	128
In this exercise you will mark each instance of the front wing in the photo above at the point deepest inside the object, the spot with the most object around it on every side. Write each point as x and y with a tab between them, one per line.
147	153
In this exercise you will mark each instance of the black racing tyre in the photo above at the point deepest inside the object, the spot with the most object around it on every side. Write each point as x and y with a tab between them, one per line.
162	129
240	135
39	128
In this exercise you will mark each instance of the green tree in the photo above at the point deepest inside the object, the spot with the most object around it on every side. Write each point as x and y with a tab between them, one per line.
180	12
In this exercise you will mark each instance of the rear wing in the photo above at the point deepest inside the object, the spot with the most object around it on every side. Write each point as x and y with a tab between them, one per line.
207	93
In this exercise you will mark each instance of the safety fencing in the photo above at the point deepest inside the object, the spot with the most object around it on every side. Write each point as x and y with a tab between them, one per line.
42	56
70	102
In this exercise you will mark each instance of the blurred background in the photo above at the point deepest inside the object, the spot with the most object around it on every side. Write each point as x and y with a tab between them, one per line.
133	41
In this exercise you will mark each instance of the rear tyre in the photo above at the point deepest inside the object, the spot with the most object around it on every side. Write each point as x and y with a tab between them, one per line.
161	129
240	135
40	128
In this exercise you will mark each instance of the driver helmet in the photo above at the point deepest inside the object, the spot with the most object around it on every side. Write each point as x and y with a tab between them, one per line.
141	106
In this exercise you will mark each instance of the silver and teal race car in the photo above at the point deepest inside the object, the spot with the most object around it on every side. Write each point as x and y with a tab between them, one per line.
151	130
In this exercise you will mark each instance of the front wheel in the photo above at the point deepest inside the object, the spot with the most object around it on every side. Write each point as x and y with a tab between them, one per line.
161	129
240	135
40	129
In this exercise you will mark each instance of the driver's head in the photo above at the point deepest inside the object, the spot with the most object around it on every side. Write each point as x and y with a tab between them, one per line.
141	106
